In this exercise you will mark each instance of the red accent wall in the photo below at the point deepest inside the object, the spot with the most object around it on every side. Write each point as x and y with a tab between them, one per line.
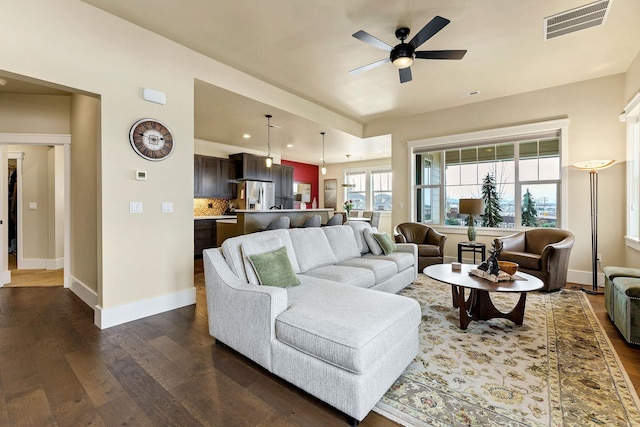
303	172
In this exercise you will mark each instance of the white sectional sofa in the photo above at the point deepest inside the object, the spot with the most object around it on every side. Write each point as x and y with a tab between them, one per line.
336	336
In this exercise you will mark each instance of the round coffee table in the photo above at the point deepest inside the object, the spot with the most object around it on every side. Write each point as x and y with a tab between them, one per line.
479	305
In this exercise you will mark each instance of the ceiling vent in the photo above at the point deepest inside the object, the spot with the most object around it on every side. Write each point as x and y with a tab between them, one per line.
580	18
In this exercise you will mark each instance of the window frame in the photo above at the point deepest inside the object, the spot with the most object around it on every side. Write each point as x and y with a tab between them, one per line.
631	116
488	137
368	171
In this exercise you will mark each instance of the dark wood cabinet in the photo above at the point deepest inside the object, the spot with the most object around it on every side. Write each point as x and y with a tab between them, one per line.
283	185
251	167
204	235
213	177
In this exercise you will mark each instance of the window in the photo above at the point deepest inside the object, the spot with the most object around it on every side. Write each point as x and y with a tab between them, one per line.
381	184
632	117
371	188
357	193
524	169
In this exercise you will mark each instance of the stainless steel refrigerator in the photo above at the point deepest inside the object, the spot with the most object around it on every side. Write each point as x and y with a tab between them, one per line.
255	195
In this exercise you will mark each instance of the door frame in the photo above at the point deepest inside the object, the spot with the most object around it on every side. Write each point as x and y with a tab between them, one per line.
63	140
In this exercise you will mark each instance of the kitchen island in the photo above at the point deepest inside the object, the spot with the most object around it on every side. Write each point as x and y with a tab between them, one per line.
250	221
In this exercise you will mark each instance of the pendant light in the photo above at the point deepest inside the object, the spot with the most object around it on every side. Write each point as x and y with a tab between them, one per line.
347	181
324	166
269	159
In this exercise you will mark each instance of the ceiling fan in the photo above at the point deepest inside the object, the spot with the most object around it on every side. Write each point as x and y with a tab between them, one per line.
403	54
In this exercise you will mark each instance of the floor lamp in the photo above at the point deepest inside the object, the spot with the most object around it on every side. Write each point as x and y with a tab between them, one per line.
593	166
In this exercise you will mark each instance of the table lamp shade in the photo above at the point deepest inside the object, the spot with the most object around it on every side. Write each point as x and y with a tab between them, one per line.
471	207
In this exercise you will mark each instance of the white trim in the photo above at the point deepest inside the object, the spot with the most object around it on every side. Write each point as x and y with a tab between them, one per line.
32	263
584	277
106	318
46	139
633	103
82	291
35	138
486	135
632	242
55	264
6	278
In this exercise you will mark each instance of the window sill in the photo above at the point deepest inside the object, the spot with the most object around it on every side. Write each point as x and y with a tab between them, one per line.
633	243
480	231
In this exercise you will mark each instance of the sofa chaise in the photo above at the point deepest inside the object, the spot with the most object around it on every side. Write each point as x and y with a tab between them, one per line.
335	335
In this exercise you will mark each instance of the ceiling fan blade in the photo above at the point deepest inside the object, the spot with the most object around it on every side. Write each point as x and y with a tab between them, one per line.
428	31
405	75
441	54
369	66
369	39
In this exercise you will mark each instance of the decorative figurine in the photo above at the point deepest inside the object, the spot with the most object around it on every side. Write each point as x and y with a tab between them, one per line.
491	264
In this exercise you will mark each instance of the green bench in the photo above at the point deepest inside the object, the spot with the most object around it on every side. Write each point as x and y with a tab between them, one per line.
622	300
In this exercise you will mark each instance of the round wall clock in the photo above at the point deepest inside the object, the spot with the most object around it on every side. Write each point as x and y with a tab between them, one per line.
151	139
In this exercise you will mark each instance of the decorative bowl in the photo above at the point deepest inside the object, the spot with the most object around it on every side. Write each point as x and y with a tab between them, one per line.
508	267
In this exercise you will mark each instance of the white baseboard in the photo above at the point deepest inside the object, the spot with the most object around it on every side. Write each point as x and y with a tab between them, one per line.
55	264
107	317
82	291
584	277
32	264
6	278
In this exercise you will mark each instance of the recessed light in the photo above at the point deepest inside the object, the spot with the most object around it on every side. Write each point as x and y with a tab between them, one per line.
246	136
3	82
289	145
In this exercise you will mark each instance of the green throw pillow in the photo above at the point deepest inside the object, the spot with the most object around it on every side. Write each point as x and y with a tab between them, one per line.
386	243
274	269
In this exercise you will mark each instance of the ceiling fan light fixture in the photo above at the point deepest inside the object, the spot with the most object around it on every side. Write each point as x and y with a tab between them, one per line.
402	55
324	166
269	159
402	62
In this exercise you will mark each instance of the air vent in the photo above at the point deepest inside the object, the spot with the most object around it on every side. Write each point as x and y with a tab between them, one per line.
580	18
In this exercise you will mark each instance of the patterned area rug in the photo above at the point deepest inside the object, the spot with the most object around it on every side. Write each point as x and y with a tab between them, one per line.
558	369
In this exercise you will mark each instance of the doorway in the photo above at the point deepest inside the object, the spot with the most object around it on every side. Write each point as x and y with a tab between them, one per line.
36	247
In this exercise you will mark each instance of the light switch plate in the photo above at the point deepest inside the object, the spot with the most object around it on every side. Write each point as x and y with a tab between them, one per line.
167	207
33	205
135	207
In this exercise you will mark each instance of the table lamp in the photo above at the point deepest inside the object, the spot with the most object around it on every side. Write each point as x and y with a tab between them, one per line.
471	207
593	166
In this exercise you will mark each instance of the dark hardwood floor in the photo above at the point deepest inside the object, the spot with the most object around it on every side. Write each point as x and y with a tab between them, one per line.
57	368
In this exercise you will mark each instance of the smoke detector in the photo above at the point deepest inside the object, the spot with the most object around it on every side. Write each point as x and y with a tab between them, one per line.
580	18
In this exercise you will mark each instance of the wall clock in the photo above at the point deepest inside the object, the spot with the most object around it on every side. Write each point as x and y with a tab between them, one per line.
151	139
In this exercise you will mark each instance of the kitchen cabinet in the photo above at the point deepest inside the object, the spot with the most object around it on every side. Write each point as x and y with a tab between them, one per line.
283	185
204	235
251	167
213	177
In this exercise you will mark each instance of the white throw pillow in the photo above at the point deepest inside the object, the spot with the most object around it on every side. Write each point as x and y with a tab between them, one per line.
255	248
373	244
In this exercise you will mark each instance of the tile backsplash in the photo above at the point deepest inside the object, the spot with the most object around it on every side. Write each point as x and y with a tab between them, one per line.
218	207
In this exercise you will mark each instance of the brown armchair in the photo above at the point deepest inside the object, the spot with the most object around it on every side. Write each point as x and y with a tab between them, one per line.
542	252
430	242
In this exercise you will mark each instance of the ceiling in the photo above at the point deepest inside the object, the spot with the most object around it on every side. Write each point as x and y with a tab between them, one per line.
306	48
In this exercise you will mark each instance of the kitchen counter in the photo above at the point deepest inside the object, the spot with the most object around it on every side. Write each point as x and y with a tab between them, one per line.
282	210
215	217
250	221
